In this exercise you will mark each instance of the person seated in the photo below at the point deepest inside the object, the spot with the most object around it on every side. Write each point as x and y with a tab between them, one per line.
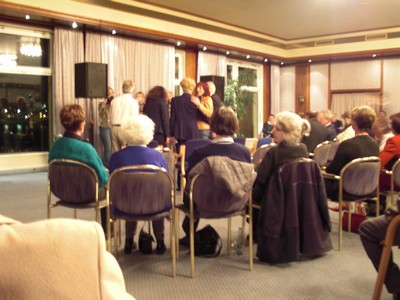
391	151
372	232
287	134
57	258
325	117
362	145
139	132
381	131
71	146
224	124
318	132
268	127
348	131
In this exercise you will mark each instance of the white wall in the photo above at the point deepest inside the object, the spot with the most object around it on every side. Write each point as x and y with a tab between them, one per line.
319	87
391	86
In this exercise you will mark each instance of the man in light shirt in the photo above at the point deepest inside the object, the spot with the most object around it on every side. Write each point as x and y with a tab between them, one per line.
122	107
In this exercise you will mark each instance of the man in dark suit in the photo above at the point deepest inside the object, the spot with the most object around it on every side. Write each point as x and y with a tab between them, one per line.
184	114
318	133
217	102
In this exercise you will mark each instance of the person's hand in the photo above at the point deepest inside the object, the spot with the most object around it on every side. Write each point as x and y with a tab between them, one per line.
195	100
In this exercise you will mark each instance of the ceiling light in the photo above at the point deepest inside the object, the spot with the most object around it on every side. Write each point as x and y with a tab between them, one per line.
247	56
204	48
281	63
27	17
114	31
309	60
30	47
373	55
227	52
178	44
74	25
266	59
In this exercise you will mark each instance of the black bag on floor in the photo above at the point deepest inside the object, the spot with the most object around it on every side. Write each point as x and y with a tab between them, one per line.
207	242
145	240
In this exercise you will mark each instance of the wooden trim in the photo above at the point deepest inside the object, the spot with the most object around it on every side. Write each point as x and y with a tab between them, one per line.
329	87
302	88
191	64
350	91
381	95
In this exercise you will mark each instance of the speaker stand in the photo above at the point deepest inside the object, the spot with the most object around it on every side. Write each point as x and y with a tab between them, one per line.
91	123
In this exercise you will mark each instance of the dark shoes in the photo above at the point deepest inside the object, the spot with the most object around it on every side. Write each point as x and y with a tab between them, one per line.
160	250
129	246
185	241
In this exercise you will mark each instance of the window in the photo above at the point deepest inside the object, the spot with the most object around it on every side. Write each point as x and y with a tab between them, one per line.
253	89
25	85
180	62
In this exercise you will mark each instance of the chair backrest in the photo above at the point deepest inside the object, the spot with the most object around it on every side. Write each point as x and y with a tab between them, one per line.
72	181
171	159
332	150
258	156
321	153
396	174
141	192
212	192
240	140
187	149
360	177
264	141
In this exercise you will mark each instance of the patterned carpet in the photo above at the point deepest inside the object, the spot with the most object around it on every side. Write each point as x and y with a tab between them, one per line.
336	275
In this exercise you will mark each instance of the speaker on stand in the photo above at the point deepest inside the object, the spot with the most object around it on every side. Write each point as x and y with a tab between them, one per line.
91	82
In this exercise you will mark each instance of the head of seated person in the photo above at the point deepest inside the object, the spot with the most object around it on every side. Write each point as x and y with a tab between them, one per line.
224	123
138	130
362	118
72	118
289	128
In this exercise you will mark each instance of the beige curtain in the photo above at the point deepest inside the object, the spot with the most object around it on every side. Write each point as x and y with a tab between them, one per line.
211	64
346	102
68	50
147	64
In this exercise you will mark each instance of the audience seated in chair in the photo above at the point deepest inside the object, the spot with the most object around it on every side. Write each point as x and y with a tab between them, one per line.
294	218
138	133
71	146
224	124
57	259
372	233
362	145
287	134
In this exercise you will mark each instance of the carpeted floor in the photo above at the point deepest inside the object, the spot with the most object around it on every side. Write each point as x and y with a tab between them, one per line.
337	275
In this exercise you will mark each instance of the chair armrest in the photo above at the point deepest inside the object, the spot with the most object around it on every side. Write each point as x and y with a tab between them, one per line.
330	175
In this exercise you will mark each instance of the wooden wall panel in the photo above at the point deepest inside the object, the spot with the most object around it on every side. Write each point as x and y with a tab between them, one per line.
191	64
267	92
302	92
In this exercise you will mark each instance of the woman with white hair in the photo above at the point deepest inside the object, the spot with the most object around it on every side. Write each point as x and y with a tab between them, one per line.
138	132
287	134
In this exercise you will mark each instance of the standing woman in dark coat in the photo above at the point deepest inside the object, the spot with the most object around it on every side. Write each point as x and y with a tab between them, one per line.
156	109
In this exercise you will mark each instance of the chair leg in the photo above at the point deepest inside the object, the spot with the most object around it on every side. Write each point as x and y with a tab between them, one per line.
172	242
177	233
386	253
192	245
229	244
340	226
250	240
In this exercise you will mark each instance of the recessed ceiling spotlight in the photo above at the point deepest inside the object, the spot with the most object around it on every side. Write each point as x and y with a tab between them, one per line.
248	56
282	63
178	43
310	61
227	52
204	48
114	31
27	17
266	59
74	25
373	55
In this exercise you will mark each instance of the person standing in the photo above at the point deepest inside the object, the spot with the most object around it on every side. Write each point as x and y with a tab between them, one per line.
215	98
104	126
318	133
139	96
156	109
122	107
183	123
205	107
325	118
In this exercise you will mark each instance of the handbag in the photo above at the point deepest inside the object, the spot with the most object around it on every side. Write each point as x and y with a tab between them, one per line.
145	240
207	242
357	217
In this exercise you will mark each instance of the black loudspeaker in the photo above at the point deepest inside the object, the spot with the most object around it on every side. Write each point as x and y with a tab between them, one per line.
90	80
219	82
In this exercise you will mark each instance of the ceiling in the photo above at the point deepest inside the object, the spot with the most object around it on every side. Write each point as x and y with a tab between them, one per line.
294	19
